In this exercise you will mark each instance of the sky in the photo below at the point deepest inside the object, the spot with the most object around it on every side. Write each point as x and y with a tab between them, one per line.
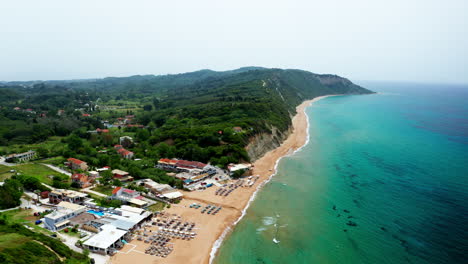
397	40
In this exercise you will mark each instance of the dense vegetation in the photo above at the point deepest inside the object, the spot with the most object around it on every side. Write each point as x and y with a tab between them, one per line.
23	246
188	116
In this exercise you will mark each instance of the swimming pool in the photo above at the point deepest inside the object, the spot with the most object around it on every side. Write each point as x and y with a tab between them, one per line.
96	212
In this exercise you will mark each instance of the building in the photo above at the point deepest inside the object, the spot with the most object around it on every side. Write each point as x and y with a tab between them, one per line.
155	187
235	167
167	164
126	154
82	179
59	219
76	164
102	130
126	141
181	165
237	129
103	169
21	157
60	195
107	240
113	228
173	196
128	196
122	175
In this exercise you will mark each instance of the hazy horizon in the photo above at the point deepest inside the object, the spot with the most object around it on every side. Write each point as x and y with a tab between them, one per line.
363	40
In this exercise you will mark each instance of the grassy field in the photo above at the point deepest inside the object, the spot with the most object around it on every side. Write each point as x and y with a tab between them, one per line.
5	172
12	240
52	144
22	245
103	189
158	206
54	160
25	217
38	171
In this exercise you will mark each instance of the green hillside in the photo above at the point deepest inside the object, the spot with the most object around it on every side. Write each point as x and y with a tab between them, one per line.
188	115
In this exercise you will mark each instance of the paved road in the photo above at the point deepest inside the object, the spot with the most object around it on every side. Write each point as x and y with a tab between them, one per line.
57	169
88	190
3	162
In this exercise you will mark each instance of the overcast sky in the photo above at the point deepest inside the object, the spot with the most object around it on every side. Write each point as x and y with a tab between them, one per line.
414	40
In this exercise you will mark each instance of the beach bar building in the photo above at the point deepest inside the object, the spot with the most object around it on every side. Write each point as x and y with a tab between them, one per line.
108	239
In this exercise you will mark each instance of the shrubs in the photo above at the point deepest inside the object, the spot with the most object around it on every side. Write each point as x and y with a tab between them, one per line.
37	250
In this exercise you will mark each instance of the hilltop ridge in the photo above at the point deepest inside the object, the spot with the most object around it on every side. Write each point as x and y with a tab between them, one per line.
188	110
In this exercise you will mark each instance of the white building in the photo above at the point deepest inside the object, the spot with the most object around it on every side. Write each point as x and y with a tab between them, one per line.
59	218
105	241
113	229
21	157
156	187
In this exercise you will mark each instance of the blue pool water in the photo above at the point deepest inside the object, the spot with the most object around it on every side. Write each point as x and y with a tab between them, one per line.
96	212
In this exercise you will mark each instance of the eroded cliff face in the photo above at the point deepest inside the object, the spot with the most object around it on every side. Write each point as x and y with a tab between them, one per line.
264	142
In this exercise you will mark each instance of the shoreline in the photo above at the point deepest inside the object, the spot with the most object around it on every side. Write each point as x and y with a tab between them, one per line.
214	229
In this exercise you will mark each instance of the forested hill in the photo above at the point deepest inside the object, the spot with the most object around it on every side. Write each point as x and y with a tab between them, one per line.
189	110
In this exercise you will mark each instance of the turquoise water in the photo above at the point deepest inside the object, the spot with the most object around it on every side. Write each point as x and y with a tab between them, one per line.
96	212
395	164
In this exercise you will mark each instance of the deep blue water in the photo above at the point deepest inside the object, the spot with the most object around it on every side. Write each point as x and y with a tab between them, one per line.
393	163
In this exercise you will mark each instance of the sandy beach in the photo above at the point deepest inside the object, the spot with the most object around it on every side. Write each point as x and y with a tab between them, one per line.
212	227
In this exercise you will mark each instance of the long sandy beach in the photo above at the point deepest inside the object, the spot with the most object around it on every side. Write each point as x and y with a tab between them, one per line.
210	228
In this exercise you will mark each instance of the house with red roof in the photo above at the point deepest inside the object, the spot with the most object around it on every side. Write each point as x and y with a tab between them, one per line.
181	165
76	164
86	115
102	130
82	179
126	154
128	196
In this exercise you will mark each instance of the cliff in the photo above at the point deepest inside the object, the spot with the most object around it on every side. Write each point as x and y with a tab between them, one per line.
264	142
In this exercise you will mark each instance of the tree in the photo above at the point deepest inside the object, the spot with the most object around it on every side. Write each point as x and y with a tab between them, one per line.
117	183
126	142
148	107
106	177
75	142
10	194
156	103
42	152
107	138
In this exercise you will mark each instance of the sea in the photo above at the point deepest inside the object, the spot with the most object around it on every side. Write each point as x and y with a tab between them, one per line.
383	179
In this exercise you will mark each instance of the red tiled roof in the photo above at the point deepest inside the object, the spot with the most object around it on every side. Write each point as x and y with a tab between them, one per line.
170	161
139	126
116	190
75	161
139	197
77	176
86	115
128	191
190	164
